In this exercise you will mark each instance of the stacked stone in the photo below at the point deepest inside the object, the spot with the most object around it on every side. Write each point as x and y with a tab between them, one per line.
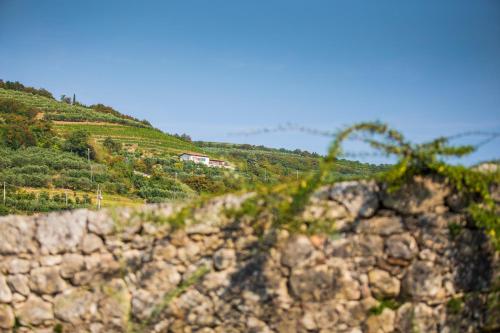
125	271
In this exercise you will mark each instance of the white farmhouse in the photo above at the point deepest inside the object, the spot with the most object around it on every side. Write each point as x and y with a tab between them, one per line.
204	159
195	157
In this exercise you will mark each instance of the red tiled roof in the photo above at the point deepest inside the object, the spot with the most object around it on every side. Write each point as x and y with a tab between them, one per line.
194	154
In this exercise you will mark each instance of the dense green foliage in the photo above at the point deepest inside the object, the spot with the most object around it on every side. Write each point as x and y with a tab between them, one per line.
78	142
61	111
20	87
20	128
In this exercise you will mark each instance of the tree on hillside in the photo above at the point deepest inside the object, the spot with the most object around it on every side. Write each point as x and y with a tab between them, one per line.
21	128
65	99
78	143
112	145
74	99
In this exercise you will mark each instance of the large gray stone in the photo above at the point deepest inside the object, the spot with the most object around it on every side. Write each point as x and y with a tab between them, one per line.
383	323
46	280
359	197
17	234
115	306
75	305
19	283
101	222
381	225
34	311
382	284
17	265
7	318
401	246
421	195
423	282
61	232
313	284
72	264
416	318
296	251
5	293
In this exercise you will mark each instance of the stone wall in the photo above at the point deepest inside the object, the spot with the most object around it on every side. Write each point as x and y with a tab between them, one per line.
401	262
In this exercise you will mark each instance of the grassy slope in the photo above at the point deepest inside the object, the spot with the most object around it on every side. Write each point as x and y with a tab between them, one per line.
148	139
55	110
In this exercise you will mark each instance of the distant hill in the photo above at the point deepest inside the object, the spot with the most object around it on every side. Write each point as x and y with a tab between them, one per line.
55	154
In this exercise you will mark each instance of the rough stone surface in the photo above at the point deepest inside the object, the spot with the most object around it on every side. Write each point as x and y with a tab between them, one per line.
34	311
17	235
421	195
7	319
91	243
5	293
401	246
423	282
360	198
46	280
118	271
383	285
61	232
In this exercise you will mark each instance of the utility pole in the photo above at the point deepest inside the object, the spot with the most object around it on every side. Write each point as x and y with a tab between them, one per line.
4	194
99	197
90	165
265	175
66	197
297	173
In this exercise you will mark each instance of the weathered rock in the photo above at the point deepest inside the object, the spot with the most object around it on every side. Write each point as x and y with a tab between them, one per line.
17	235
368	245
61	232
381	225
46	280
224	258
382	284
50	260
91	243
423	282
297	250
115	306
100	223
17	265
421	195
75	305
359	197
19	283
34	311
401	246
164	250
7	319
324	210
313	284
159	277
5	293
419	318
383	323
72	264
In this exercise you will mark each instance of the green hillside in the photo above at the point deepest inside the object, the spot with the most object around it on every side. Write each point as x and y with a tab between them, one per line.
57	154
56	110
147	139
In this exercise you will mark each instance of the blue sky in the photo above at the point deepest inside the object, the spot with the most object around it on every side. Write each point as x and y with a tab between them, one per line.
211	68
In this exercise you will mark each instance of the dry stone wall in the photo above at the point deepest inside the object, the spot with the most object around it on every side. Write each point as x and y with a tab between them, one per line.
401	262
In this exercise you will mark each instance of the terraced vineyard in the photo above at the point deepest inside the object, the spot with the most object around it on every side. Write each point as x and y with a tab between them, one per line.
55	110
148	139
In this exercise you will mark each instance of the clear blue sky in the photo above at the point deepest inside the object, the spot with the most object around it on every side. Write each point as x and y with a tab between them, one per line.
209	68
